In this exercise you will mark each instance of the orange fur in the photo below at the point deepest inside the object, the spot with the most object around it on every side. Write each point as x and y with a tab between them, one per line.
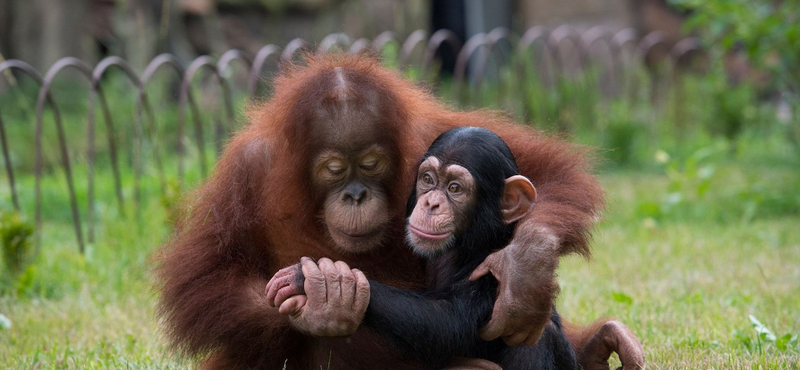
259	212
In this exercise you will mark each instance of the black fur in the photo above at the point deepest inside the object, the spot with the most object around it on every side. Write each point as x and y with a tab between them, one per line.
441	323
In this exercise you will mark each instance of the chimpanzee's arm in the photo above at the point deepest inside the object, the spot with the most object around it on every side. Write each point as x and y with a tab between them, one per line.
432	328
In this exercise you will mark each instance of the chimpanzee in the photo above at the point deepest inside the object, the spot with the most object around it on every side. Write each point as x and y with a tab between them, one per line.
467	198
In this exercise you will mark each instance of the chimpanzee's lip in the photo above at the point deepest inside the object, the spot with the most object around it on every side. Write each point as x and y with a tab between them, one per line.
428	234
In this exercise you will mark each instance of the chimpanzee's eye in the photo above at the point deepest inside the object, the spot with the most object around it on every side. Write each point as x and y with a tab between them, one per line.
454	188
427	179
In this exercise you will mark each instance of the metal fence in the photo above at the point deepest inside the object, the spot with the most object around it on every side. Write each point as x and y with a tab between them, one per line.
561	51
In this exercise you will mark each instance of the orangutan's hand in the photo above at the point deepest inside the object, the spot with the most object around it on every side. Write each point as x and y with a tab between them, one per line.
612	336
335	299
461	363
525	270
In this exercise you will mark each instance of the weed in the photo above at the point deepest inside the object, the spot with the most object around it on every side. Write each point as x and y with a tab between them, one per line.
15	235
764	337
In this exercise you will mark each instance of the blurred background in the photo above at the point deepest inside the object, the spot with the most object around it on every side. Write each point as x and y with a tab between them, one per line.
42	31
112	111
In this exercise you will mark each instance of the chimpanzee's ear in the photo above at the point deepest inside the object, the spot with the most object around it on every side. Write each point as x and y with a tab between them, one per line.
518	196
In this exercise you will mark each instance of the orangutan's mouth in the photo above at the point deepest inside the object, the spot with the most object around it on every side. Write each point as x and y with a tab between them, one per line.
364	235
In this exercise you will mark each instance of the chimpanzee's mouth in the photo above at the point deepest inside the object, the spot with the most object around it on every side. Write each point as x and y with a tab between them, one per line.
428	234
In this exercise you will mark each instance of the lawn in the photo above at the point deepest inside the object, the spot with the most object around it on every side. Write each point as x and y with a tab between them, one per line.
690	253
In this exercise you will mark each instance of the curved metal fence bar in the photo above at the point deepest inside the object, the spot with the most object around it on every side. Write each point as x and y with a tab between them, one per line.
434	43
27	69
499	34
646	49
621	40
229	56
684	49
97	92
625	42
552	53
556	42
7	162
624	36
596	35
263	54
607	57
495	37
383	39
203	62
415	38
531	37
332	40
463	57
44	95
492	38
650	42
292	48
159	61
223	64
162	60
526	63
11	64
358	46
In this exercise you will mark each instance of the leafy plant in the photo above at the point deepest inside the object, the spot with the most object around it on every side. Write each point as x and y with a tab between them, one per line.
5	322
767	31
621	133
689	182
622	298
764	336
171	201
15	234
730	107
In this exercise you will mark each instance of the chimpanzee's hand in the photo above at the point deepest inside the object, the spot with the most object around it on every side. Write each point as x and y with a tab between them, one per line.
287	282
525	270
335	301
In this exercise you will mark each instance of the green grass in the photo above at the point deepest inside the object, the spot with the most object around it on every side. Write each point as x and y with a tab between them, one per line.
685	280
686	288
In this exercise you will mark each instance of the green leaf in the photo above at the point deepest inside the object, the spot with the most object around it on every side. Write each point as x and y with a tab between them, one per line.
705	172
648	209
26	280
673	198
622	298
783	342
744	339
5	322
763	332
703	187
